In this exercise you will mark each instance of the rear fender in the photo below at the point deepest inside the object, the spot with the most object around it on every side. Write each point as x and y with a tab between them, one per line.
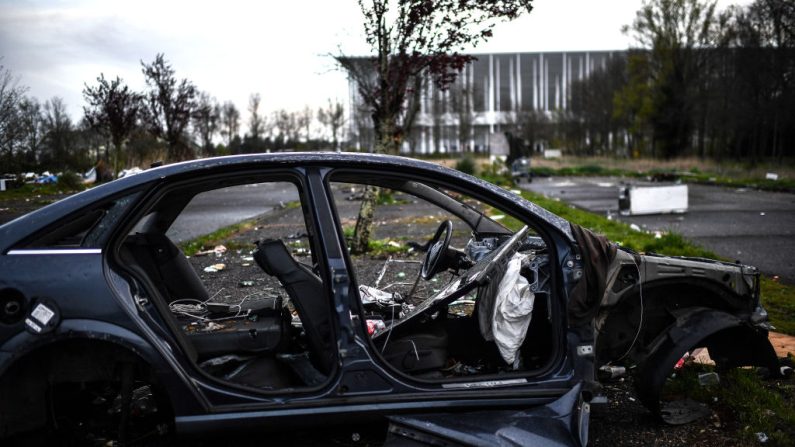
731	342
26	344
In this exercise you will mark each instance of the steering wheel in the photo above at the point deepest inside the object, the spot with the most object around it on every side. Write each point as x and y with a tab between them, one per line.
437	248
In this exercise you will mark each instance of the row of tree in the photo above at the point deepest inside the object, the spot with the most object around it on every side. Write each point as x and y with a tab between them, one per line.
171	119
697	81
700	82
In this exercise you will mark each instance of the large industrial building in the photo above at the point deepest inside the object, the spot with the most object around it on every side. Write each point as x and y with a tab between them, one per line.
488	95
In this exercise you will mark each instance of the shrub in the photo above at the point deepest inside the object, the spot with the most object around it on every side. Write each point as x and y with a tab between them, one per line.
466	165
70	181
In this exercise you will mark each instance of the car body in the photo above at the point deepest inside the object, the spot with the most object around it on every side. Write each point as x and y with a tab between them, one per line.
520	169
81	308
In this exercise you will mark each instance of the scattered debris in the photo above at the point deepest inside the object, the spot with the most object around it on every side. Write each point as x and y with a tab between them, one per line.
214	268
246	284
634	227
684	411
771	176
375	326
762	213
218	250
608	372
762	437
709	379
212	326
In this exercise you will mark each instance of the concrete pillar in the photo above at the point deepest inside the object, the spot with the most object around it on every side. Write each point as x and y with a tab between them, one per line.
490	96
497	85
565	83
557	92
512	84
541	83
587	64
518	82
546	85
535	84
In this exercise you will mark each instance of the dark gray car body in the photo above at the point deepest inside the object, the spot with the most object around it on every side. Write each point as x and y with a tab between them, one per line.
100	311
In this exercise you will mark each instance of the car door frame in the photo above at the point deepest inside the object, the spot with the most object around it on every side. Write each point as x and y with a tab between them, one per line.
541	391
214	394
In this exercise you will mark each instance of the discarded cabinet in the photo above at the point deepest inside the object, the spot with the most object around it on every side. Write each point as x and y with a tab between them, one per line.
636	200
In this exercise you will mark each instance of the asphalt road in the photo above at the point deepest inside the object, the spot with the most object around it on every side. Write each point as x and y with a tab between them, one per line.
755	227
215	209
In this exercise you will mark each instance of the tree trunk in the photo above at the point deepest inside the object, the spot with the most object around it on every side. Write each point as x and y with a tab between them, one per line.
387	141
364	221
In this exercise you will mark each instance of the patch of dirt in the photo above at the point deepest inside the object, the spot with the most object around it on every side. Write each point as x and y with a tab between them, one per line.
10	209
783	344
624	421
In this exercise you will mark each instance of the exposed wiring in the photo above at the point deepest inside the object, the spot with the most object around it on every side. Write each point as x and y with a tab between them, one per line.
198	309
391	322
640	324
416	353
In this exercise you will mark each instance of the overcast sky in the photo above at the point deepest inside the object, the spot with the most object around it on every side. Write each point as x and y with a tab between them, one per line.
232	48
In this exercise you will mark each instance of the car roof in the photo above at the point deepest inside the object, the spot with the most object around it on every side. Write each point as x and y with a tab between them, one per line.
35	221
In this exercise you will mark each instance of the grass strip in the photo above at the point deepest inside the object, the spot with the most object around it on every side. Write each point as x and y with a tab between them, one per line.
222	236
691	176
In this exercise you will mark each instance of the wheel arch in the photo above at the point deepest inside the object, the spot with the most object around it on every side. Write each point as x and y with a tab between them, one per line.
79	351
731	342
642	314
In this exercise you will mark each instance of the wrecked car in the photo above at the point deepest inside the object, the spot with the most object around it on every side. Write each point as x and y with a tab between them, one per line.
484	319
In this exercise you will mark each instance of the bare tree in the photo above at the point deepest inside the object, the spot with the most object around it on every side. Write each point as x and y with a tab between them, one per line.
11	95
230	122
289	128
461	103
332	117
676	34
170	105
113	109
32	129
256	122
304	121
206	121
412	39
58	130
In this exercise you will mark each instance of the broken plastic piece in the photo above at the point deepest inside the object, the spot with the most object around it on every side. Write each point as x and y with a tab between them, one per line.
683	411
709	379
215	268
607	372
371	295
375	326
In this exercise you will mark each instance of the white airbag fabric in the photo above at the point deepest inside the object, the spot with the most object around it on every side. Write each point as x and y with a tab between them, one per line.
513	308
